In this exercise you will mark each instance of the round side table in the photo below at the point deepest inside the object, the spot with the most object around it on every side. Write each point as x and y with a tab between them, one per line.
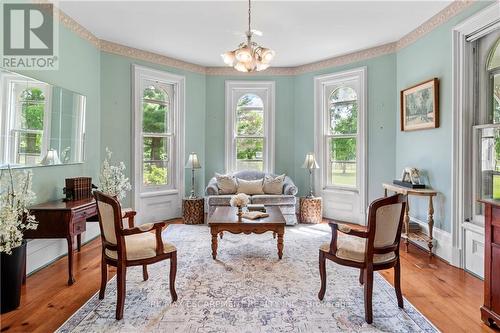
311	210
193	210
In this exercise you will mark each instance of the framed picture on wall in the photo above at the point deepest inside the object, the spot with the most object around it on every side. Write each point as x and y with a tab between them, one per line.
420	106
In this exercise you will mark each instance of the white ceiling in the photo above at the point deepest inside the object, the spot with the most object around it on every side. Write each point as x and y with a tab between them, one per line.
300	32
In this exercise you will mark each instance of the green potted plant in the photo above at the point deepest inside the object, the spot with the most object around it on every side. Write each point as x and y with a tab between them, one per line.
15	198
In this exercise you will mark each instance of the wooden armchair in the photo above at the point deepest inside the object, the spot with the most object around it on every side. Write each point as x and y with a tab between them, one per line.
371	248
133	246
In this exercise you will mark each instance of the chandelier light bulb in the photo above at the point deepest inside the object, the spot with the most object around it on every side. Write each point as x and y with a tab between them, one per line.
228	58
267	55
241	67
261	66
244	54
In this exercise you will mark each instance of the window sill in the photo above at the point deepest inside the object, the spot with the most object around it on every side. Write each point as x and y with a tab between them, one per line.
158	193
340	188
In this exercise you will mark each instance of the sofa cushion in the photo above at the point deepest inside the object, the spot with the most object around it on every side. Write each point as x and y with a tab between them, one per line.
269	199
250	187
219	200
273	185
226	183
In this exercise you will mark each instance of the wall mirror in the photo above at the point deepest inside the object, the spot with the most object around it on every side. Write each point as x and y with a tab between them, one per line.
40	124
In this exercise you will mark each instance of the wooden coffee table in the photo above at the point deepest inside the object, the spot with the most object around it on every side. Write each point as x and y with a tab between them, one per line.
225	219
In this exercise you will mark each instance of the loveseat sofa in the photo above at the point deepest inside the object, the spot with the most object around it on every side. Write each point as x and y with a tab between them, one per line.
285	201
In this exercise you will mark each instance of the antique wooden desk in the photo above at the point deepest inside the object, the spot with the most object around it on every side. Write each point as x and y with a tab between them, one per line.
408	235
59	219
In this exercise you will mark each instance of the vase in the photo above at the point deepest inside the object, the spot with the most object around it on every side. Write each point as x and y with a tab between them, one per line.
12	277
240	212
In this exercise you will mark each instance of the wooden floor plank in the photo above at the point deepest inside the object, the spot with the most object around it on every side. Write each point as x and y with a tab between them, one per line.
448	296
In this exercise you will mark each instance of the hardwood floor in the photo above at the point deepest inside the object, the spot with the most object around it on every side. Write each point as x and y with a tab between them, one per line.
448	296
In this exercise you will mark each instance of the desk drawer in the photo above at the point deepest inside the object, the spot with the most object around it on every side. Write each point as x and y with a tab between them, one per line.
84	214
79	227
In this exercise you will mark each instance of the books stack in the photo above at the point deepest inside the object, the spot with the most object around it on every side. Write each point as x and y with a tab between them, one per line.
256	208
78	188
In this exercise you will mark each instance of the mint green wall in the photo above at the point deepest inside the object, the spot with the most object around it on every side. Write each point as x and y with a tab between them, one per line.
79	66
116	119
215	122
430	150
381	72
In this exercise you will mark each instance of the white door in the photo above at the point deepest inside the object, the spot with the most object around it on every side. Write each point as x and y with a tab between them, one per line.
158	149
340	150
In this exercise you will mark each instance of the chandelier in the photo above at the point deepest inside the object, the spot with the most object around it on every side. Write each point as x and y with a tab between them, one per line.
249	56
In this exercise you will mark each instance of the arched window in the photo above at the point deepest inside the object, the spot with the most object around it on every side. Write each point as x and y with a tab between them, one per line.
249	126
342	136
157	135
249	133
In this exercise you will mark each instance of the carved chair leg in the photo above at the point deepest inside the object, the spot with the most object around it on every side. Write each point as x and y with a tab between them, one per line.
173	272
368	279
361	273
104	277
322	274
397	283
121	276
145	275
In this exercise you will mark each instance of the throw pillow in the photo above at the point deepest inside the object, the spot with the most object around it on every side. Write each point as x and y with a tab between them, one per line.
250	187
273	185
226	183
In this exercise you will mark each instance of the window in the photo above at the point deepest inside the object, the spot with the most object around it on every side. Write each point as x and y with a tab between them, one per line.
341	136
249	126
487	131
26	122
157	134
340	141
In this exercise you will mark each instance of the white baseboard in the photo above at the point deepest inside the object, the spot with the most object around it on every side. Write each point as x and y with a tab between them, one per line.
42	252
442	240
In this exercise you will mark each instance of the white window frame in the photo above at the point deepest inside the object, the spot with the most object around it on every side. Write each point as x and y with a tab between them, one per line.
321	130
8	149
140	75
471	29
266	91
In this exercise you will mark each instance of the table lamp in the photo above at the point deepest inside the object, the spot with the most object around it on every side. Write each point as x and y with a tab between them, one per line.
193	163
310	164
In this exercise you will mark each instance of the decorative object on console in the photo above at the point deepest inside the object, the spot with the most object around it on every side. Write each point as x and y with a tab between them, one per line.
410	178
193	163
239	200
112	178
78	188
311	210
249	56
15	198
310	164
420	106
51	158
193	210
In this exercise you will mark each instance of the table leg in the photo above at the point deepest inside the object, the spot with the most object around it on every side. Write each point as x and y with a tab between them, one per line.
280	244
71	280
79	242
406	221
214	244
430	221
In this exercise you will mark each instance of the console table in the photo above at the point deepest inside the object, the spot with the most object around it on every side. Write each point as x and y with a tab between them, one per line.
408	235
63	219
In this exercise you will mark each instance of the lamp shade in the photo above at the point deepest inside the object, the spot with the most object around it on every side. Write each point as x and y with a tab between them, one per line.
193	162
51	158
310	162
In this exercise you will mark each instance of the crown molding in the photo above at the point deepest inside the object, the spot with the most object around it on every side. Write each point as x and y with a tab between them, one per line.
110	47
440	18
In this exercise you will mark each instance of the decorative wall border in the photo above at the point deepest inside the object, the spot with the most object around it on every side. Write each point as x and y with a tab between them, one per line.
110	47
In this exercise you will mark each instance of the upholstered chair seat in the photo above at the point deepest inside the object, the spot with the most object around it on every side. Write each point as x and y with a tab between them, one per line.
141	246
353	248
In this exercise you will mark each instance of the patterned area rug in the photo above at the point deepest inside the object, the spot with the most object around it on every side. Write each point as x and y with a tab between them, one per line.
247	289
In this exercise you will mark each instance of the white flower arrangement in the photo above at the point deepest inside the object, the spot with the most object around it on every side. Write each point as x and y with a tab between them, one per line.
16	197
239	200
112	178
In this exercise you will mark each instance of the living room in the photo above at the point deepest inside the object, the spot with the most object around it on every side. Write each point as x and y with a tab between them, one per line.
303	166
